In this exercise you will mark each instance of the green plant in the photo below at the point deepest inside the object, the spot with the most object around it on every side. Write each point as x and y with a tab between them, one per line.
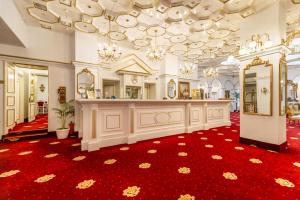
65	111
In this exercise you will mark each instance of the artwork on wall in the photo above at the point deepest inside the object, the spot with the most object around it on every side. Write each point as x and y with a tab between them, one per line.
61	94
184	90
42	88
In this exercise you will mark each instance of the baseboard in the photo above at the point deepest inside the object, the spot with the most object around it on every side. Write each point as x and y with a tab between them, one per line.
264	145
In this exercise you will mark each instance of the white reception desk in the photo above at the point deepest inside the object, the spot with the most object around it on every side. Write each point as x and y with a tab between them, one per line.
111	122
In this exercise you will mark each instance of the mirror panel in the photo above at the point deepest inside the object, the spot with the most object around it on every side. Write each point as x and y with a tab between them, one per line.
282	85
257	85
85	81
171	89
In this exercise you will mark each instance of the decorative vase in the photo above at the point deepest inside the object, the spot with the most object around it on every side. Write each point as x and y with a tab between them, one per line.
62	133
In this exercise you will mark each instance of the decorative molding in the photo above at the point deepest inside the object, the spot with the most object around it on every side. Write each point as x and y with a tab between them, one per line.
124	65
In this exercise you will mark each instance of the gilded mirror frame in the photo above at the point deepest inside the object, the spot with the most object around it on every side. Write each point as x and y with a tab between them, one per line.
256	62
84	71
171	82
283	64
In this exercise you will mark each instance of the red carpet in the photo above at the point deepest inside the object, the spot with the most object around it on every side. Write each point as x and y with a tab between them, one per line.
201	176
40	122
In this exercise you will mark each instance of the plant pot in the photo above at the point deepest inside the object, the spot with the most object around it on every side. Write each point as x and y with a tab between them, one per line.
62	133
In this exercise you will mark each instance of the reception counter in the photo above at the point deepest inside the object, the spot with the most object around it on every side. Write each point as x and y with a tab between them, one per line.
111	122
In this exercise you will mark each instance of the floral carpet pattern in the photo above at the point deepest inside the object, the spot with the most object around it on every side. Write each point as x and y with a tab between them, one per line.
208	164
40	122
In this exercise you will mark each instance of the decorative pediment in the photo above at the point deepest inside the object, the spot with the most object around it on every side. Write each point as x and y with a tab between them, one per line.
133	65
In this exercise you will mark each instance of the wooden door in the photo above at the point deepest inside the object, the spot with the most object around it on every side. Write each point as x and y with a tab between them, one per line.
10	95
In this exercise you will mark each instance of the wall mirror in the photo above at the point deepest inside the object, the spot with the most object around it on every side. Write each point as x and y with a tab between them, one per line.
171	89
85	81
282	85
258	89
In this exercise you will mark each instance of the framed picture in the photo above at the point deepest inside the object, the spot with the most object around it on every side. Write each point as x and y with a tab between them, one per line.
183	90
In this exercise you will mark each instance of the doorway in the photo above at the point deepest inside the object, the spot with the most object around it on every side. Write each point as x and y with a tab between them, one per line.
27	100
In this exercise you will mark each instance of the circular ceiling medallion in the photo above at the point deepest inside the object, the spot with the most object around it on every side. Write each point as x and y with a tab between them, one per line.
42	15
192	56
235	6
178	28
178	47
155	31
63	11
198	36
220	34
178	38
141	43
202	25
195	45
90	8
135	33
177	13
229	48
215	43
178	53
115	35
126	21
85	27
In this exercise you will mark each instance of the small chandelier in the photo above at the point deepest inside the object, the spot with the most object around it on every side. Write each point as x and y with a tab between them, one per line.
256	44
109	52
155	53
187	68
210	72
231	60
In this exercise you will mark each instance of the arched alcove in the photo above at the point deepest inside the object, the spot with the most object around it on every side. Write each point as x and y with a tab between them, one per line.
216	89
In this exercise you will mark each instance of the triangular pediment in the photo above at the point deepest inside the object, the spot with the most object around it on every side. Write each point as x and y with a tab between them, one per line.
133	65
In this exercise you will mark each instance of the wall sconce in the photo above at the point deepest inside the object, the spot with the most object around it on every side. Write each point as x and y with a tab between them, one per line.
264	90
256	43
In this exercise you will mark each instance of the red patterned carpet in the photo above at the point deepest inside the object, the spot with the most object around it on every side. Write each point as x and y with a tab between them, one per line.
205	165
40	122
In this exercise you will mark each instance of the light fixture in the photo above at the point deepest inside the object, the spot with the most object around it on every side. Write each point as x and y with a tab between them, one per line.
155	53
187	68
210	72
257	43
231	60
293	41
109	52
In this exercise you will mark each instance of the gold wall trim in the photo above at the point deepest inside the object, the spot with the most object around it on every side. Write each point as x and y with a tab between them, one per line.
2	82
34	59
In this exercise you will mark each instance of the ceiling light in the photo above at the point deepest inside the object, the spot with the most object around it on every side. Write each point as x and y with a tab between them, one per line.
210	72
256	44
109	51
155	53
231	60
187	68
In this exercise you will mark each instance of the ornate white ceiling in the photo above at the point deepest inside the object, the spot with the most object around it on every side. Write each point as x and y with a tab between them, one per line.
208	26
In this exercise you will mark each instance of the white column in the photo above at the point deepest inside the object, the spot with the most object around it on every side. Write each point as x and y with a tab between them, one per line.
265	131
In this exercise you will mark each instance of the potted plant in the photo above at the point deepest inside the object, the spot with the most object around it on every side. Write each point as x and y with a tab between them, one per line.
65	111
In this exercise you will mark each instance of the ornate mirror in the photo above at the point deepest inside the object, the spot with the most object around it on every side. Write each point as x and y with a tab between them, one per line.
258	89
282	85
85	81
171	89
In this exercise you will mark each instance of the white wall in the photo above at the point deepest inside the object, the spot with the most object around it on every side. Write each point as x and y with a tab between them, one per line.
41	96
39	43
59	75
1	98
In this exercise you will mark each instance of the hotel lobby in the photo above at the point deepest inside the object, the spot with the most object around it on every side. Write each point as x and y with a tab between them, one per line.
150	99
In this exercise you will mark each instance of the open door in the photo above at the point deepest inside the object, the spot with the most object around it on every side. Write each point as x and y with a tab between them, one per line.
10	95
31	100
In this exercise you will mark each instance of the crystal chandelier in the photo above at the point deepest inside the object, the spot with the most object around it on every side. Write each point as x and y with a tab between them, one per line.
187	68
231	60
210	72
155	53
256	44
109	51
